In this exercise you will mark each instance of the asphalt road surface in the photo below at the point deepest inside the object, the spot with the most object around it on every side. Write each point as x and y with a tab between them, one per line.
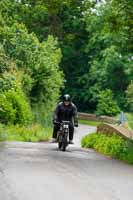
38	171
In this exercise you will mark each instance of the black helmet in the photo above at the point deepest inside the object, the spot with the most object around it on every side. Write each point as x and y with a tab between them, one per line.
66	97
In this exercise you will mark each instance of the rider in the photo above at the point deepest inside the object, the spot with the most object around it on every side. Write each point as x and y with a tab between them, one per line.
65	111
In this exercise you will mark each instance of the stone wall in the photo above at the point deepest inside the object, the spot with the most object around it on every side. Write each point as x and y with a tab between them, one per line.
109	129
93	117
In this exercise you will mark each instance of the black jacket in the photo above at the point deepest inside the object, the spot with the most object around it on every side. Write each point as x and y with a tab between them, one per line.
66	113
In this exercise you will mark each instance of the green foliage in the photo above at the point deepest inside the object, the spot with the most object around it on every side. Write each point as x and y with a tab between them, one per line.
14	108
14	105
106	104
62	19
96	42
5	63
129	94
109	48
7	112
3	135
31	68
39	61
114	145
32	133
88	141
22	108
129	117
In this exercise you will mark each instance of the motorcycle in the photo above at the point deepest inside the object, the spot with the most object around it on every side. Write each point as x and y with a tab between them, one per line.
63	135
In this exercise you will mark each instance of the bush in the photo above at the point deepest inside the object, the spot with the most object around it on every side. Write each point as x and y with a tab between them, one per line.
114	145
32	133
3	135
21	105
14	108
7	112
106	104
39	61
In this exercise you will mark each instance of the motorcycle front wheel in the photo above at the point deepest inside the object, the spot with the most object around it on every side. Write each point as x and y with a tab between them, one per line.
60	145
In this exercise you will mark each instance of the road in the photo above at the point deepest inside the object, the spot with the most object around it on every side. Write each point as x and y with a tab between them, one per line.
38	171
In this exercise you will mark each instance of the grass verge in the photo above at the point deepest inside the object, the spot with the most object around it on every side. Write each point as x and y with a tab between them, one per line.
90	123
32	133
114	146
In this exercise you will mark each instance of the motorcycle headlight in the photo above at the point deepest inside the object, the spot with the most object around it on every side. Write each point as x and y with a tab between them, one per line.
66	130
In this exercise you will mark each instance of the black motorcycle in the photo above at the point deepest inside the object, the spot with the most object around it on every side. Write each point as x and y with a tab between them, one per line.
63	135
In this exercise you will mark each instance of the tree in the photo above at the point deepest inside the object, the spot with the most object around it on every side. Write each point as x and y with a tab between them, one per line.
106	104
37	62
14	104
109	49
129	95
95	38
62	19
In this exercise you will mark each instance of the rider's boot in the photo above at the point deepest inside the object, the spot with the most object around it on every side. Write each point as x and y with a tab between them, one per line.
71	142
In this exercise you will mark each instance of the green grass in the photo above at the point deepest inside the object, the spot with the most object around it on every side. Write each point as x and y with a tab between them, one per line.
90	123
32	133
114	146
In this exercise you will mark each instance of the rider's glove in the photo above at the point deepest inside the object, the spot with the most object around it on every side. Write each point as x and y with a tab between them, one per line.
54	122
76	124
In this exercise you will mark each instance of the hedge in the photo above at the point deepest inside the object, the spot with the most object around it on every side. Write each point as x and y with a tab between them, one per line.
114	146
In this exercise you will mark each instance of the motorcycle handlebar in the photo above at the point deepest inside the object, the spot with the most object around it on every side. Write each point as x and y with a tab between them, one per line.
62	122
